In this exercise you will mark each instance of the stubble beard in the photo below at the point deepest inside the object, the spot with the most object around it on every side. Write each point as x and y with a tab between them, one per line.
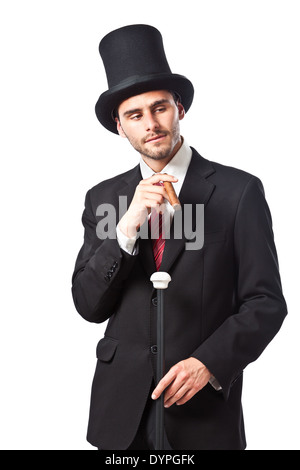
158	151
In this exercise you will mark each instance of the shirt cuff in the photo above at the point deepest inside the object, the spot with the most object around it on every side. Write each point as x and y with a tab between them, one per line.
215	384
127	244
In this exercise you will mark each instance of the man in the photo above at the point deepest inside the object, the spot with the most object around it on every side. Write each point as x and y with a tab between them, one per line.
224	303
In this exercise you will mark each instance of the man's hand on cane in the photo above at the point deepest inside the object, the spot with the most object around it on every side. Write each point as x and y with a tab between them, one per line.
182	382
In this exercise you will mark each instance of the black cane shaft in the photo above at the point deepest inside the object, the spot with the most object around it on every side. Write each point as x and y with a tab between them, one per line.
160	335
160	370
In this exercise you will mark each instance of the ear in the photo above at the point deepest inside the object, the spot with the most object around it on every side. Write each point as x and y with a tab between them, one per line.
181	111
120	129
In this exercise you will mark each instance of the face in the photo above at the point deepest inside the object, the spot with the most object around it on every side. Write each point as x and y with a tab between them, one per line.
150	122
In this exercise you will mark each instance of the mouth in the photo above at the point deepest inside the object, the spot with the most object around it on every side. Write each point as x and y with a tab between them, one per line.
156	138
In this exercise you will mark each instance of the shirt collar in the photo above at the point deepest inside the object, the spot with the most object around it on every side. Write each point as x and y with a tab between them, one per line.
177	167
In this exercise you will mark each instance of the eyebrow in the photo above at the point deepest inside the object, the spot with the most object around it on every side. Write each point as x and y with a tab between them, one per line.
152	105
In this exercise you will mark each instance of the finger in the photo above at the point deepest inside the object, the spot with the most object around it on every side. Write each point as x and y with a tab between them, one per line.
152	189
174	388
146	185
186	397
146	192
153	205
163	384
157	177
154	202
175	397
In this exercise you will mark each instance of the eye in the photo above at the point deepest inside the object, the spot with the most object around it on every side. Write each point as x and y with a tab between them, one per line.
161	109
135	117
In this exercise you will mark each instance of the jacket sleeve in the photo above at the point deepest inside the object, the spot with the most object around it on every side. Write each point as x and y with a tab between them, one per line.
101	270
261	307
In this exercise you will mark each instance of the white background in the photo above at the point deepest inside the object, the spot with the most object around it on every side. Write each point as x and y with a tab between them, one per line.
243	59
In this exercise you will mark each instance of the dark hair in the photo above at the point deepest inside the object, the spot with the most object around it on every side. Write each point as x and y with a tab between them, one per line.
176	98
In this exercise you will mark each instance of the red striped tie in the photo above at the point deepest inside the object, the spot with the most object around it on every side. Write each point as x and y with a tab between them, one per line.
157	235
158	244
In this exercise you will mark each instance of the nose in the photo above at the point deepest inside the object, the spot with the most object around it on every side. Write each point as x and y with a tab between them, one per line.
151	122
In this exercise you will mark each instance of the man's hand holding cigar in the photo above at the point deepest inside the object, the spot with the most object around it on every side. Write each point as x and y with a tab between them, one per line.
148	195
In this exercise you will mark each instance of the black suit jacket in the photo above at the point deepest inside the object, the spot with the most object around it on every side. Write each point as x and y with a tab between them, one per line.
223	306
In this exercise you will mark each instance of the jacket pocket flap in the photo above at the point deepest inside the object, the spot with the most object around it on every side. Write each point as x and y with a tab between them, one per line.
106	349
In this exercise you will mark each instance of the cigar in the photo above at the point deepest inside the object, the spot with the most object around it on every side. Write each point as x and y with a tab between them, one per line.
174	201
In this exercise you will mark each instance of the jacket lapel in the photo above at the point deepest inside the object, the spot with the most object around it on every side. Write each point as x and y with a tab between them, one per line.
126	190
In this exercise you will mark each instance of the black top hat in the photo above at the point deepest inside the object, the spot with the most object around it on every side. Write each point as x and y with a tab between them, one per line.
135	62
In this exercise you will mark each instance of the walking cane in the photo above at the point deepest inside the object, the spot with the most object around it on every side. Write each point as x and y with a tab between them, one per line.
160	282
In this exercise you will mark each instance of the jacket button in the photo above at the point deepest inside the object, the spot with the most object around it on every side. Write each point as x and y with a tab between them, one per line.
154	349
108	276
154	301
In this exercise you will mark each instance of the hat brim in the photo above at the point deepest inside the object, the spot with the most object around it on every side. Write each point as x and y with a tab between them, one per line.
111	99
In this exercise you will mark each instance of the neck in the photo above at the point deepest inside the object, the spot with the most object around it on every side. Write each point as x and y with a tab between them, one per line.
158	165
